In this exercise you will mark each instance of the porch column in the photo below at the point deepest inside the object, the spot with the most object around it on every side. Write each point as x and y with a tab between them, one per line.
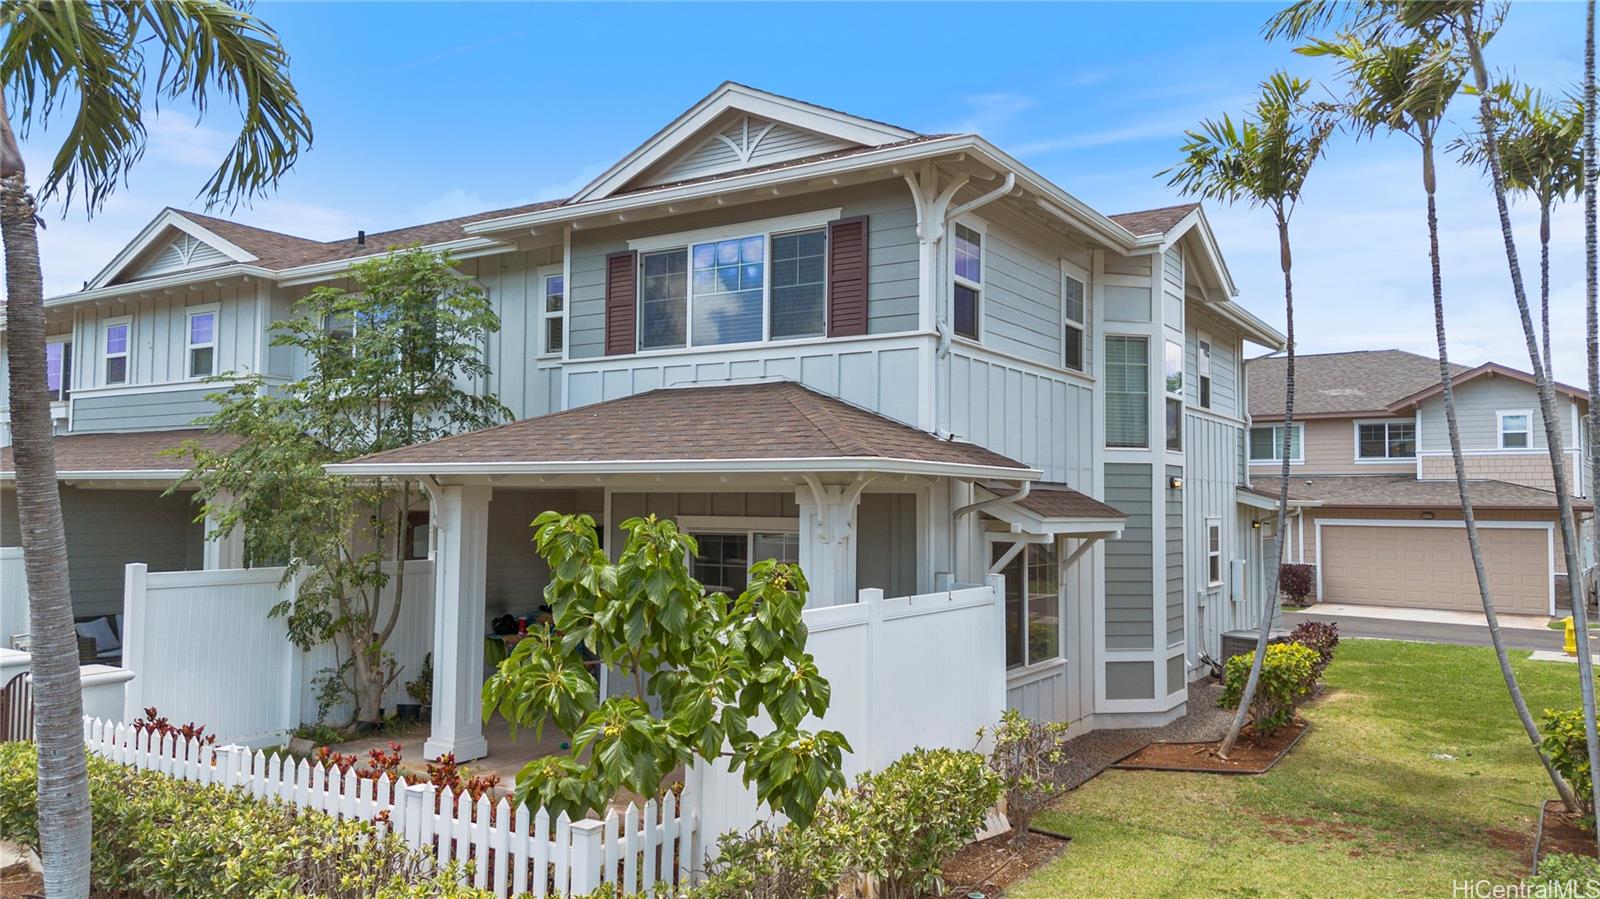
226	551
828	540
460	555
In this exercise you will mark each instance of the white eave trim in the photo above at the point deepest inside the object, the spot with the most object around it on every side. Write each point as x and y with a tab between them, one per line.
1253	328
668	466
153	474
169	218
176	279
1257	501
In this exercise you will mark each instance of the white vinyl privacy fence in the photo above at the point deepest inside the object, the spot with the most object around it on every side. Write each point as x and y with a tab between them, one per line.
205	649
13	595
500	847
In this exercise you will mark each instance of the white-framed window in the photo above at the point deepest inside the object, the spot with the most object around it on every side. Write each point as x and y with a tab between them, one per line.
726	556
1516	430
1202	365
737	289
1127	391
200	334
1386	440
555	313
1074	316
1033	604
967	286
116	345
1213	552
58	368
1174	384
1266	443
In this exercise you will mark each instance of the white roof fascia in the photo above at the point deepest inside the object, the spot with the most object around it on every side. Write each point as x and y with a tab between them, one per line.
1196	219
154	474
169	218
176	279
669	466
462	248
746	99
1253	328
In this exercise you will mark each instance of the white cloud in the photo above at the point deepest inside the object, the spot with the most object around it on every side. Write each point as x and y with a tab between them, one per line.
176	139
987	113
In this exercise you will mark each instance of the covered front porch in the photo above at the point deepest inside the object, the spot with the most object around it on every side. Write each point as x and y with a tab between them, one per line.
753	471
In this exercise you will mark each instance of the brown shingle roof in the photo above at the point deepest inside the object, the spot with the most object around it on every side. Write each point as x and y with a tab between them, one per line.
131	451
1153	221
1339	383
1052	500
766	421
1389	491
791	163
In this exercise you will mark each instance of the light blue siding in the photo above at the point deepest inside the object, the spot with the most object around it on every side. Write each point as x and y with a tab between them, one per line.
1129	560
1022	299
1175	549
1477	404
142	411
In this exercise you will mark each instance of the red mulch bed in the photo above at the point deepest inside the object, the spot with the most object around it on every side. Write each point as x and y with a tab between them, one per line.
1250	755
1560	834
992	865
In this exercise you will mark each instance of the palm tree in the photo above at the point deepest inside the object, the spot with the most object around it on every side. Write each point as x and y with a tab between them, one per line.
1263	161
87	61
1404	87
1539	150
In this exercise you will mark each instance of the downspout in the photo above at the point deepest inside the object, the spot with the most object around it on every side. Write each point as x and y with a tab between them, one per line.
969	508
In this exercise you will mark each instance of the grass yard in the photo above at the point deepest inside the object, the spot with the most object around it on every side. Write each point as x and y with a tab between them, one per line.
1366	805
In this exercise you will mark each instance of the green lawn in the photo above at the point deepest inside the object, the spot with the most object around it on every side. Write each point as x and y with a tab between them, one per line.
1366	805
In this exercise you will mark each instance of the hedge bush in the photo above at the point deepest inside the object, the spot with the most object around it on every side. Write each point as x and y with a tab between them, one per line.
1296	582
1286	678
1566	742
154	835
1322	638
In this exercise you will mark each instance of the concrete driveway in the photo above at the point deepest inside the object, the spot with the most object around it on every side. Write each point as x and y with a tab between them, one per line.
1428	626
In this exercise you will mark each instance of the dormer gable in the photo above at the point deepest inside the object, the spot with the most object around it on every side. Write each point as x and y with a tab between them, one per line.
170	244
735	128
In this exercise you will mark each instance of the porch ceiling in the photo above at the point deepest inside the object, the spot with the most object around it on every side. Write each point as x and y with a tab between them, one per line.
773	426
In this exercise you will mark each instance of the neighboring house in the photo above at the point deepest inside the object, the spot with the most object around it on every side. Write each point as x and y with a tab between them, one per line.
1376	508
904	360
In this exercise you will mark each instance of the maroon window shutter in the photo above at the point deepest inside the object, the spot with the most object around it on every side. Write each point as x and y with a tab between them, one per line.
622	277
847	277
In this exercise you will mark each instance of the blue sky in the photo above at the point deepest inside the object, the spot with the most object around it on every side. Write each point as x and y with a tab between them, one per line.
424	111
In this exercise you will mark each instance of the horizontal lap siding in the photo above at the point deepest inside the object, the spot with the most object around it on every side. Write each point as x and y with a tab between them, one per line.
1022	300
1175	550
1477	403
712	155
142	411
1129	560
891	256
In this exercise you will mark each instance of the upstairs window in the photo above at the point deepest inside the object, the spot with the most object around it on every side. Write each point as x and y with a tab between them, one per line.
1127	392
664	300
1203	371
118	336
1174	383
1516	430
1386	440
799	282
728	278
58	370
555	313
1266	443
1073	316
202	342
968	280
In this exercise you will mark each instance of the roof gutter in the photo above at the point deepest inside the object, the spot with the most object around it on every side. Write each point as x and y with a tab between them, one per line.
685	466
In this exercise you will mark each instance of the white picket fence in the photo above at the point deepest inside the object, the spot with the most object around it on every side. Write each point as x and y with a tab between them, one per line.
509	850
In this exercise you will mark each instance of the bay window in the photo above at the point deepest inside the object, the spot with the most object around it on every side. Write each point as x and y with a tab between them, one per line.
1203	372
968	248
1033	604
555	311
1174	382
118	334
734	290
58	370
1127	392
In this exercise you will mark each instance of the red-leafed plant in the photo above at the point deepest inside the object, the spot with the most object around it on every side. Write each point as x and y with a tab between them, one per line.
154	722
379	762
445	773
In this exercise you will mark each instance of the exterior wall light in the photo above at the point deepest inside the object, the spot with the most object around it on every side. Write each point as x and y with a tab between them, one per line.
1427	516
1175	483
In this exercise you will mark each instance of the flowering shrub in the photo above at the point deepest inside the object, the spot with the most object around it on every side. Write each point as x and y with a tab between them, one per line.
444	772
154	723
1285	680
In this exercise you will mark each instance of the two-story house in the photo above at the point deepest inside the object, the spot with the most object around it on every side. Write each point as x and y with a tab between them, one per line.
1373	483
903	360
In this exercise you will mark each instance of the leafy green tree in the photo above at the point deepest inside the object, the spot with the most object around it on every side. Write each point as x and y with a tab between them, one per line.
695	670
389	364
1262	160
91	64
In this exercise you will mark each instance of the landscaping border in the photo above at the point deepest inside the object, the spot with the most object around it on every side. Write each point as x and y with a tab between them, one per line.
1538	834
1120	765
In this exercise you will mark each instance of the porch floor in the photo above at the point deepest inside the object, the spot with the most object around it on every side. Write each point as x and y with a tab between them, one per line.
506	755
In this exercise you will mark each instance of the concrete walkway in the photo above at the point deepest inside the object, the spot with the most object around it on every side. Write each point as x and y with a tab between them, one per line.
1093	752
1429	625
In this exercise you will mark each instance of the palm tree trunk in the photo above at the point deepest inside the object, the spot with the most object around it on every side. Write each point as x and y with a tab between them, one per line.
1544	279
64	823
1467	514
1552	424
1270	605
1578	587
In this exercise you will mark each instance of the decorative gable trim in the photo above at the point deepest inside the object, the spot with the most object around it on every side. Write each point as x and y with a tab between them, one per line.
759	104
744	142
170	225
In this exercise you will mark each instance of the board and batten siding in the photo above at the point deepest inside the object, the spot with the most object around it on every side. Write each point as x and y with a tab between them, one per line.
526	380
764	141
1224	362
158	348
1477	403
1210	492
1130	559
1022	298
891	256
107	529
1025	412
1175	556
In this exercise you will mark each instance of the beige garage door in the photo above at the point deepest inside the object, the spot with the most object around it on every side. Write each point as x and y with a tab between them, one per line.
1430	567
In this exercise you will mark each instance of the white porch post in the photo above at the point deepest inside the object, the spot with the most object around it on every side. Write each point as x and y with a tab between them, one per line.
226	551
828	539
461	521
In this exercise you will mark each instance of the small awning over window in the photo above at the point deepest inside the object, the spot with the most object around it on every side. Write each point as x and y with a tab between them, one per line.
1053	509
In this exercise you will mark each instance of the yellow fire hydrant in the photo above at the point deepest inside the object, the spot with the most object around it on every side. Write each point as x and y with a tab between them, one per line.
1572	636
